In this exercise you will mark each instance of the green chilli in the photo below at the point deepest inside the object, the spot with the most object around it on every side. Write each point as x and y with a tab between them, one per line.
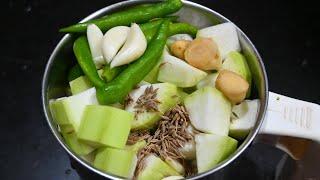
109	74
149	29
82	52
125	18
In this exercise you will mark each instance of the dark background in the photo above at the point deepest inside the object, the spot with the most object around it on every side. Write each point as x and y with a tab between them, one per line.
286	34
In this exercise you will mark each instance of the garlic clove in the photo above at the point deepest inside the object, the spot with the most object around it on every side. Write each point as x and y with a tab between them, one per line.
113	40
133	48
95	35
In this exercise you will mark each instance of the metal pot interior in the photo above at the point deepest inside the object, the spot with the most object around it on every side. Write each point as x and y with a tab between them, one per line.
55	78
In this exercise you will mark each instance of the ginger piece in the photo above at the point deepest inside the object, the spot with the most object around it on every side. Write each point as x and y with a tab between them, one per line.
178	48
203	53
232	85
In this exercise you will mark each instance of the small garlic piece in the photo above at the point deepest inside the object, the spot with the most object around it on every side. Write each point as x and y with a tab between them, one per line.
232	85
95	35
133	48
188	150
113	40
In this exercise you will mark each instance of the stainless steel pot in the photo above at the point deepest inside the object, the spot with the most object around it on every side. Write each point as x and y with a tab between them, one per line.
285	116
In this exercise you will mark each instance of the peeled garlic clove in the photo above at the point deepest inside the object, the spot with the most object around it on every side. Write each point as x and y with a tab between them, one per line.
95	36
113	41
188	150
191	130
133	48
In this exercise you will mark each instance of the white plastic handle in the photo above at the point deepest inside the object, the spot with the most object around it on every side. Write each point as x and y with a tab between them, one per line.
291	117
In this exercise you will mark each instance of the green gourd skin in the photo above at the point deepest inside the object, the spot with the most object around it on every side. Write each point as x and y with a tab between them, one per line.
125	18
82	52
116	90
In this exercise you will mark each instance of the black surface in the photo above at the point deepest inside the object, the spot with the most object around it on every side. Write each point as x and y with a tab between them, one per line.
285	33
